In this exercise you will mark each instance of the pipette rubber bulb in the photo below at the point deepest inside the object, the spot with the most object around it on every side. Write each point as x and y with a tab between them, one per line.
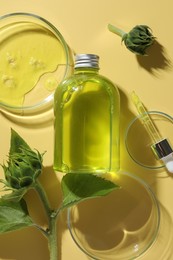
168	161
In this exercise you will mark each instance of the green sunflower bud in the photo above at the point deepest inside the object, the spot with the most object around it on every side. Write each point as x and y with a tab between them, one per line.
137	40
24	165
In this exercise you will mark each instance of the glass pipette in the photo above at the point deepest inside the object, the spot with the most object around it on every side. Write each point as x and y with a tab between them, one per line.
160	146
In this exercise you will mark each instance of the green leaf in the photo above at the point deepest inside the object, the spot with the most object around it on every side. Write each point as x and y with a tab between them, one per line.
15	195
13	216
77	187
17	142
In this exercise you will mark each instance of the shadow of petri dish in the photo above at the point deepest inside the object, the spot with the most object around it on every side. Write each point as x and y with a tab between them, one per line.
162	248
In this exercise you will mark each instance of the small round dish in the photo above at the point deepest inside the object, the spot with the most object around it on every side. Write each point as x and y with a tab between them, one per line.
34	59
138	141
121	226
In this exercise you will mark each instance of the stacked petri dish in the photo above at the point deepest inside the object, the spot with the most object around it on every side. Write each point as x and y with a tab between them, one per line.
122	225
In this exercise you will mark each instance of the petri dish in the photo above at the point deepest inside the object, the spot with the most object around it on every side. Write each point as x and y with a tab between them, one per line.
138	142
34	59
122	225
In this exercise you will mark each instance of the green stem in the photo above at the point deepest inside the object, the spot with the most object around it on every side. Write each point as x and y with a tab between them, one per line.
44	232
52	238
43	196
116	30
51	233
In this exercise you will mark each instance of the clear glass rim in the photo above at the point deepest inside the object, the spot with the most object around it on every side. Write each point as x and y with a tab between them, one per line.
48	100
152	241
154	112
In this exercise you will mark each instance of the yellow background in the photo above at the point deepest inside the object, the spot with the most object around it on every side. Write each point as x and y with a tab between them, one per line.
84	26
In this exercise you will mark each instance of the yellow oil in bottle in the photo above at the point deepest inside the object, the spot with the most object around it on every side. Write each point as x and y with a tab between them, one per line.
86	124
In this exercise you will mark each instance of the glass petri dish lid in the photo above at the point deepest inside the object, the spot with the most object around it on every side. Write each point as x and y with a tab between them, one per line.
34	59
123	225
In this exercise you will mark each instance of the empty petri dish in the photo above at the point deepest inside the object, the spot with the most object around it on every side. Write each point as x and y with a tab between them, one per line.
138	141
122	225
34	59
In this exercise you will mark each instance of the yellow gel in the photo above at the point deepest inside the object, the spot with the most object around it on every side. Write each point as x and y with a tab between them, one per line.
27	52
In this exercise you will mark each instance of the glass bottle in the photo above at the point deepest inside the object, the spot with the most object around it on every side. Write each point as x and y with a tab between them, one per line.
86	108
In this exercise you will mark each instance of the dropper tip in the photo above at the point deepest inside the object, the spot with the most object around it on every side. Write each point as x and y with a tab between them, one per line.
134	97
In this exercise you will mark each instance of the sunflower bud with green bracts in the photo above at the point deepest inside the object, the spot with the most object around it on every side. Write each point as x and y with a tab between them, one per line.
24	164
137	40
22	169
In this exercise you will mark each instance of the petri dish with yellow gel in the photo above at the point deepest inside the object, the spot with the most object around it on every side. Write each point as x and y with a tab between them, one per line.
123	225
34	59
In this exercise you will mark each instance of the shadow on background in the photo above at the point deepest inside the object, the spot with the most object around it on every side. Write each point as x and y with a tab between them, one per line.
31	121
18	245
155	60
